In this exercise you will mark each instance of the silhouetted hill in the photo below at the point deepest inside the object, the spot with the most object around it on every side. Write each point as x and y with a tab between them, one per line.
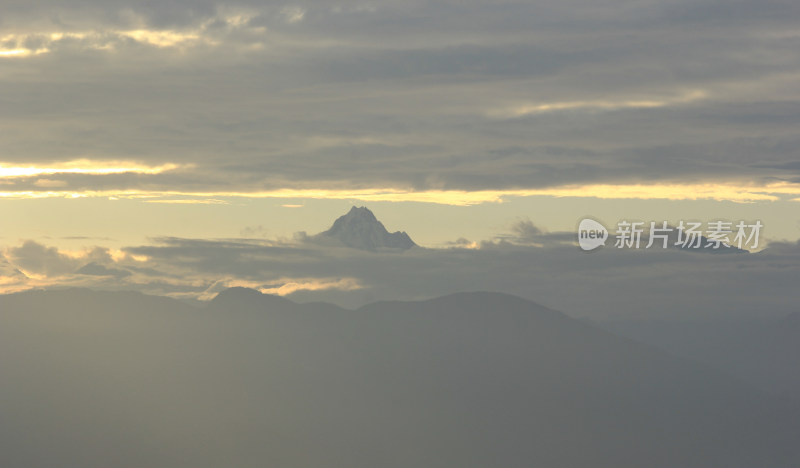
763	352
792	321
42	301
466	380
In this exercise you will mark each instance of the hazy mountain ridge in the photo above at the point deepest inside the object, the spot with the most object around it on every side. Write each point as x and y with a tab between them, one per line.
763	352
470	379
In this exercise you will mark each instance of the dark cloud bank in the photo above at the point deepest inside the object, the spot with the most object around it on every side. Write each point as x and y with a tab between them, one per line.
427	95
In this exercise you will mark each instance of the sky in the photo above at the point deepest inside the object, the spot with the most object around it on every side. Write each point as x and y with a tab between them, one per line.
179	147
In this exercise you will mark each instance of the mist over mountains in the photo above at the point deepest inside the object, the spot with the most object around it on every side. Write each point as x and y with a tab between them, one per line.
471	379
355	260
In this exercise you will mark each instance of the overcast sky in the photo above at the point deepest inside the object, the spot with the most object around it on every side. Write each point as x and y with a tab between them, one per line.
133	131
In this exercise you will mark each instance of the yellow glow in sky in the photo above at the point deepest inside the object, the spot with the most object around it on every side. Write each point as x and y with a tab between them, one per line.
22	52
313	284
164	38
83	166
528	109
739	192
102	39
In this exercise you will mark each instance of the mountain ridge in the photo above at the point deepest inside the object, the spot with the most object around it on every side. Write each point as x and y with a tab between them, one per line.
361	229
470	379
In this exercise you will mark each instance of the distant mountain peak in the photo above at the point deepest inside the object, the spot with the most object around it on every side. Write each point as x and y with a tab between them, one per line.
360	229
362	212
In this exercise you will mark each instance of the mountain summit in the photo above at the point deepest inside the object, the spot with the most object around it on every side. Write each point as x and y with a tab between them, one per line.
360	229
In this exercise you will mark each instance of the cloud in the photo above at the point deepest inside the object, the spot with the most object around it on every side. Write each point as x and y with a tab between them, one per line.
287	286
463	243
529	109
293	14
543	266
83	166
50	183
525	230
9	274
37	259
740	192
189	201
40	265
197	102
94	269
315	97
254	231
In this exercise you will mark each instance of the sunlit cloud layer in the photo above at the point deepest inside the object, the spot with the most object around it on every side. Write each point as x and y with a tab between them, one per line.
599	105
739	192
84	166
191	201
376	102
206	32
11	53
292	285
198	269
